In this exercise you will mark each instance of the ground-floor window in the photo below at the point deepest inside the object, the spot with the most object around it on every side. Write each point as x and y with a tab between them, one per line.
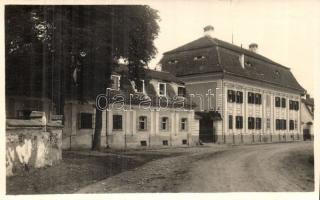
230	121
281	124
239	122
183	124
142	123
85	121
164	123
291	125
250	122
284	124
258	123
277	124
117	122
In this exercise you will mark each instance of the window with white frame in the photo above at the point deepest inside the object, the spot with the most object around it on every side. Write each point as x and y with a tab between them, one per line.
291	125
251	123
199	57
239	97
181	91
183	124
142	123
117	122
230	122
277	101
85	121
239	122
115	82
164	123
258	123
162	89
283	102
140	86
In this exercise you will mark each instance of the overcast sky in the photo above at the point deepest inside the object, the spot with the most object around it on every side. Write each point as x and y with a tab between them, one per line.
286	31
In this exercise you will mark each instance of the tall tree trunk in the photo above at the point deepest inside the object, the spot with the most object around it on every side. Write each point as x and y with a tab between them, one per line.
96	144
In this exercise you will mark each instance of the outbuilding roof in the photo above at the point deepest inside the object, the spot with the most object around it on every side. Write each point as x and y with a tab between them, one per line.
211	55
163	76
151	74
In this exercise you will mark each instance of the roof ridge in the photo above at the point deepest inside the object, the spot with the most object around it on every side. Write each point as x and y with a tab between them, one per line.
176	49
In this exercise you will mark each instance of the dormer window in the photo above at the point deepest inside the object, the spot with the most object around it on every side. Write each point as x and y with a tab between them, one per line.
248	64
173	61
276	74
162	89
199	57
115	82
140	86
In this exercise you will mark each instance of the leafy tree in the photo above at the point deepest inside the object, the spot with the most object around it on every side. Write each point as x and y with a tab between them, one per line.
48	46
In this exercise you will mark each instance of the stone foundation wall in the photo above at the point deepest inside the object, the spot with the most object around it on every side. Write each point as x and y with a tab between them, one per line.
258	138
29	145
120	141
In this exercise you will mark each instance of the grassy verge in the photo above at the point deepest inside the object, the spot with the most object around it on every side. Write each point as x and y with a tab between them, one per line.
75	171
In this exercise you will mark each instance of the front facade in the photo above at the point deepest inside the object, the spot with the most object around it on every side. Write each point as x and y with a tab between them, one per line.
258	99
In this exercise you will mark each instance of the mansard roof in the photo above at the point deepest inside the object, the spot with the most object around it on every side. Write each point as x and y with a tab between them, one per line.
211	55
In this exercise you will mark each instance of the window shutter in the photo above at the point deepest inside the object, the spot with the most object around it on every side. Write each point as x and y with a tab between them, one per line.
79	120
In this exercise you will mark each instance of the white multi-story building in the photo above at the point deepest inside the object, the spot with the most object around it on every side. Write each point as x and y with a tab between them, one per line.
242	96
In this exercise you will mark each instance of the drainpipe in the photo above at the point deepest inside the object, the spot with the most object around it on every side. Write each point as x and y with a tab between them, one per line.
125	140
107	129
222	96
71	127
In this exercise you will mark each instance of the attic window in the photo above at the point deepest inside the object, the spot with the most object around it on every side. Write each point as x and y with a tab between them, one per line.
162	89
139	86
199	57
248	64
276	74
173	61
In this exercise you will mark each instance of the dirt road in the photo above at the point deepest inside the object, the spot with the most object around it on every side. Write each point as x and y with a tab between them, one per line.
254	168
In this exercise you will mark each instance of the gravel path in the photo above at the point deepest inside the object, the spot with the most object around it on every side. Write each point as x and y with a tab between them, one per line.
259	168
270	167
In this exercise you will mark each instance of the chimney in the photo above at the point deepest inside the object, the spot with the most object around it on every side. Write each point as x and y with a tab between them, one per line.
253	47
308	96
208	31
